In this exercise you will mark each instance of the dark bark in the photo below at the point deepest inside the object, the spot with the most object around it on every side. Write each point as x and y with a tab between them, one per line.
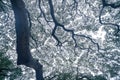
57	24
22	40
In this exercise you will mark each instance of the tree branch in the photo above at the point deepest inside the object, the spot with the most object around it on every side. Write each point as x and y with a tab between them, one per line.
105	4
57	24
22	24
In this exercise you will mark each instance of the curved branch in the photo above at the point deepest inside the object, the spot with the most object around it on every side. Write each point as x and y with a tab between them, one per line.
113	6
57	24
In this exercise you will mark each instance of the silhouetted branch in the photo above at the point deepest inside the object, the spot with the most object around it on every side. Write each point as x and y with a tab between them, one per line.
57	24
22	26
41	13
113	6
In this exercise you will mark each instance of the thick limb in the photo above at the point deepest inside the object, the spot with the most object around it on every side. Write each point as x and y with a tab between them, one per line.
22	40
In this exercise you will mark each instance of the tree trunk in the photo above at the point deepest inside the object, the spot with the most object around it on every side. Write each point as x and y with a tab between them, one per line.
22	40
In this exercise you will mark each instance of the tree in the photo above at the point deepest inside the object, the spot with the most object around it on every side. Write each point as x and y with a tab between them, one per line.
78	36
7	68
23	33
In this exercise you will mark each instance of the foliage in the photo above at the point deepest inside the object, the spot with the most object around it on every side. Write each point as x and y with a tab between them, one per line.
71	76
7	68
3	6
90	37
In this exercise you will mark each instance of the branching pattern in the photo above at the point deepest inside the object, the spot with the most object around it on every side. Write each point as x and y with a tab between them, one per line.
113	5
57	24
61	25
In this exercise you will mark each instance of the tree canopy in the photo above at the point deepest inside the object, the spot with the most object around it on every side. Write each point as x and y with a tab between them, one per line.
7	69
72	39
